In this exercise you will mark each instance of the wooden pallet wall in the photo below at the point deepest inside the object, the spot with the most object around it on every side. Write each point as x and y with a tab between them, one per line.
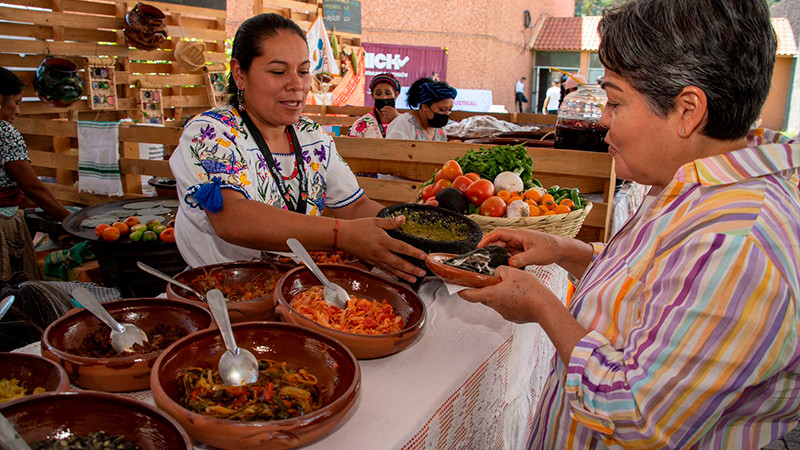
303	12
79	29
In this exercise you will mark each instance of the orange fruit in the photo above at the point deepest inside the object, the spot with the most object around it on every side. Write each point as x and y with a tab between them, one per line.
550	213
167	235
111	234
98	230
131	221
504	194
548	201
561	209
533	194
567	202
535	211
123	229
543	209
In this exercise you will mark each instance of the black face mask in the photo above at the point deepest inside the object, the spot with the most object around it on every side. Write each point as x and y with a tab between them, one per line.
381	102
439	120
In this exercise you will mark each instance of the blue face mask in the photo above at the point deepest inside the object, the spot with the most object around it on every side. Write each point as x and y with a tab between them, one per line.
381	102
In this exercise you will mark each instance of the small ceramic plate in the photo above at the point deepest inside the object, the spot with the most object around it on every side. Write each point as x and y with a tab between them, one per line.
454	275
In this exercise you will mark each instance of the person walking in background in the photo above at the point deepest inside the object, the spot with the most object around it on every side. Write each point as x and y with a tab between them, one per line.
519	94
552	98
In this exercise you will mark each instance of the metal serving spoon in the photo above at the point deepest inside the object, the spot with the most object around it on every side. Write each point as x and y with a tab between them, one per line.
9	437
169	279
5	305
123	335
237	366
334	294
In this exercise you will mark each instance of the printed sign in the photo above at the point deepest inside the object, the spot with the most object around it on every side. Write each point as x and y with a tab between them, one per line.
407	64
343	15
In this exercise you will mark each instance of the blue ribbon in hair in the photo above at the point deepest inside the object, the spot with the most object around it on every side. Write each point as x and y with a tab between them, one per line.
209	195
432	92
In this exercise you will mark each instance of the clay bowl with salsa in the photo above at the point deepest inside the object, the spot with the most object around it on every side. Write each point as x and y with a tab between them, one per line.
81	343
81	414
319	257
32	374
247	287
333	368
401	302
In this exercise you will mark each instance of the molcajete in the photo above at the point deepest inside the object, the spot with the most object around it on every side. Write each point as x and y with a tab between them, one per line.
57	82
145	27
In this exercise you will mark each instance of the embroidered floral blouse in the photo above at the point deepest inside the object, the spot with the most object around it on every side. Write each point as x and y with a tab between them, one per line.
367	126
216	146
12	148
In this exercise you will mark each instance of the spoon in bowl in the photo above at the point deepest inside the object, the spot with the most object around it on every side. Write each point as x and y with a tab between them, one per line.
334	294
237	366
167	278
9	436
123	335
5	305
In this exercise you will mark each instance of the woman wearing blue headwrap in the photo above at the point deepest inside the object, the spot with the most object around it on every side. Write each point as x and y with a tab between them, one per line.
431	103
384	89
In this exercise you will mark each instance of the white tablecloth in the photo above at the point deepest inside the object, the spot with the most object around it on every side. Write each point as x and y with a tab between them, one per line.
471	381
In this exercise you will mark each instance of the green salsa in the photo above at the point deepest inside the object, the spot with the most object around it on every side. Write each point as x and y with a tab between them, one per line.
416	225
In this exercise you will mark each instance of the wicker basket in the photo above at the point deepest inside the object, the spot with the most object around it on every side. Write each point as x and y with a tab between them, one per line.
190	55
566	225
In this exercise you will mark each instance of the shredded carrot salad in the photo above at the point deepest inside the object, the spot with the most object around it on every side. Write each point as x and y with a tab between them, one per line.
361	316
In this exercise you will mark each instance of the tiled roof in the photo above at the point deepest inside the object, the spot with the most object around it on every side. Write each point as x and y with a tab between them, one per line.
560	33
580	33
787	45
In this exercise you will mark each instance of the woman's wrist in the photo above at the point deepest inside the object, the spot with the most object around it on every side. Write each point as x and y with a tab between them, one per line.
574	256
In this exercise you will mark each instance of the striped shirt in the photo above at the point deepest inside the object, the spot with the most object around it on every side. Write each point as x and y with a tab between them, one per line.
693	315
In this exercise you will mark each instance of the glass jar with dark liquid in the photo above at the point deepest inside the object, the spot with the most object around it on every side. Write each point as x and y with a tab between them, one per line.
577	127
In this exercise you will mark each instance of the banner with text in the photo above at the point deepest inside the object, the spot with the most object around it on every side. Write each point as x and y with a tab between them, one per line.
407	63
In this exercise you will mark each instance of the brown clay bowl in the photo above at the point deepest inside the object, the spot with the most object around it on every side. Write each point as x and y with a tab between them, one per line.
62	341
334	366
33	371
454	275
65	414
362	284
233	273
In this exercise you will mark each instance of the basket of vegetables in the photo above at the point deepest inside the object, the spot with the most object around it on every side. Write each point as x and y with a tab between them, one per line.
496	188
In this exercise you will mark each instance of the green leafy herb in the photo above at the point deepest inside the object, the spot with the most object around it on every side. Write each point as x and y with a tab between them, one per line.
489	162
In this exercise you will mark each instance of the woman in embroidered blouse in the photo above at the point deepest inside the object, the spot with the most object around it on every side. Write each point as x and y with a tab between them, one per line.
241	196
384	89
683	331
17	177
431	103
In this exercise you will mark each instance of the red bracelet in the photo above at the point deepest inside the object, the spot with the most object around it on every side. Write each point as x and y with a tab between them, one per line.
336	234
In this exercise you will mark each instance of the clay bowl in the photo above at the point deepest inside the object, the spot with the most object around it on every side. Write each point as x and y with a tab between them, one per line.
319	257
362	284
62	341
335	367
233	274
65	414
33	371
455	275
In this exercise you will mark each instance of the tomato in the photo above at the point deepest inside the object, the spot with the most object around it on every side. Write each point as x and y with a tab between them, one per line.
439	185
98	230
432	201
167	235
451	169
462	183
493	206
110	234
123	229
131	221
479	191
439	176
473	176
426	192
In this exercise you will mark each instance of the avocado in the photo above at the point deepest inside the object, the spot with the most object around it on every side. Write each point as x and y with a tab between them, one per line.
452	199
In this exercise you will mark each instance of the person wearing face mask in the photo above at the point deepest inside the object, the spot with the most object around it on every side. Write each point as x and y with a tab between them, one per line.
17	177
384	89
254	173
431	103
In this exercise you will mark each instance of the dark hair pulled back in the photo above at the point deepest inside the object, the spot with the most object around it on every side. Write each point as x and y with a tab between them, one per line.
248	44
10	84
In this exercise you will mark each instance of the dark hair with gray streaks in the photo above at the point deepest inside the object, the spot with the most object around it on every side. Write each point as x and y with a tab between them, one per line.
724	47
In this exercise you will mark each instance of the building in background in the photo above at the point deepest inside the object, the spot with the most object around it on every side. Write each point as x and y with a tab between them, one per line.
790	9
570	44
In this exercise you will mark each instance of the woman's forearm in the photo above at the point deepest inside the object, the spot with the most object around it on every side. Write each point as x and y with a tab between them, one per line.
575	256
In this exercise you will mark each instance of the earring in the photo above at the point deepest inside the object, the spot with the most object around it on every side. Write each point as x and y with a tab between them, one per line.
240	100
683	130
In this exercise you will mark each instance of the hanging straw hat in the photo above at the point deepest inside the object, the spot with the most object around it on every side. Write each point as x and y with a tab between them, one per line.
190	55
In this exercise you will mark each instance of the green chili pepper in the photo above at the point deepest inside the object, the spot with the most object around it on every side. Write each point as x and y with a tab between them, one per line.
562	197
553	190
537	183
576	198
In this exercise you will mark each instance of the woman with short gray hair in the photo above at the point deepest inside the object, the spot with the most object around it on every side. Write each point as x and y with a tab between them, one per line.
684	330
